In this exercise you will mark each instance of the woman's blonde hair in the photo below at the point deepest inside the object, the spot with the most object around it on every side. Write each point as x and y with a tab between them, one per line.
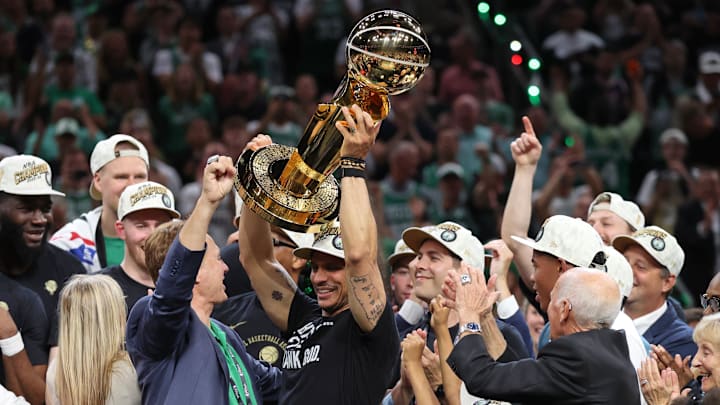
91	338
708	330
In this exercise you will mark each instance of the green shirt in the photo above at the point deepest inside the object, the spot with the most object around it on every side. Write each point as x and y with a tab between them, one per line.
114	250
238	373
78	95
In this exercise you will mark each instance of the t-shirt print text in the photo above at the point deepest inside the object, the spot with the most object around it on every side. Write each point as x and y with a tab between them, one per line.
295	356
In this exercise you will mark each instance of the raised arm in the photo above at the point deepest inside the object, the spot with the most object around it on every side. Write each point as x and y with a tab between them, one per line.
357	223
439	321
526	152
163	322
273	285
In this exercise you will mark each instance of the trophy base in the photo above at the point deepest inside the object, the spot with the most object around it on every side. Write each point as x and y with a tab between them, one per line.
257	183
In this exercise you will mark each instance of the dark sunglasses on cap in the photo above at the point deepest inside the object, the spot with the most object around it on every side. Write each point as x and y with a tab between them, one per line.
710	301
278	242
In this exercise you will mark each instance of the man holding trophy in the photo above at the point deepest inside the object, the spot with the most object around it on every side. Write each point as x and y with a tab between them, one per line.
341	348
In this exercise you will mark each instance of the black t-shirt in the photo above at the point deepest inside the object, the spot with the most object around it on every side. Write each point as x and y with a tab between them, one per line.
236	279
28	312
332	361
47	277
132	290
246	316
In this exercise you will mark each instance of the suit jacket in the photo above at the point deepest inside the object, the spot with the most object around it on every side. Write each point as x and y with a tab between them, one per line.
699	249
672	333
177	358
590	367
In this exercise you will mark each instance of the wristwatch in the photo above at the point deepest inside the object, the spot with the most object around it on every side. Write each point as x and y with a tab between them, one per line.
471	327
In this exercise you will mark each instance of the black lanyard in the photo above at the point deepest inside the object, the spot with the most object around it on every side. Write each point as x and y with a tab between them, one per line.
235	390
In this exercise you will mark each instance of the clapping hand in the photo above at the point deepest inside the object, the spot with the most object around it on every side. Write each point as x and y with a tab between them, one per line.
474	299
412	347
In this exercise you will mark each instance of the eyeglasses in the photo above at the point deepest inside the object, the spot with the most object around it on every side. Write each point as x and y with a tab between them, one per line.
710	301
278	242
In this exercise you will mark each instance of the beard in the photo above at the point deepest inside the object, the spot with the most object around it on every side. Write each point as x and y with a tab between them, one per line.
17	257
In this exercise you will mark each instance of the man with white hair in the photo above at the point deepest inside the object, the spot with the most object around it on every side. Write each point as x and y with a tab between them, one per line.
583	304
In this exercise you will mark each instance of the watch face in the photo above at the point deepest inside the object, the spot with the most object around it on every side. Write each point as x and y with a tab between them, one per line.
472	326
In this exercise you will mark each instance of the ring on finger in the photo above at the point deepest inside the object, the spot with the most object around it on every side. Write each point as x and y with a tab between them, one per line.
643	381
352	130
213	159
465	279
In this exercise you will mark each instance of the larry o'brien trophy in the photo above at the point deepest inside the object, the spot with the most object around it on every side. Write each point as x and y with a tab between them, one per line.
293	188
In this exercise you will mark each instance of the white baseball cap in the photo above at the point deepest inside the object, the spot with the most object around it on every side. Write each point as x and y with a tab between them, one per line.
709	62
619	269
145	196
327	241
658	243
401	251
26	175
456	238
105	153
627	210
450	168
570	239
673	134
300	240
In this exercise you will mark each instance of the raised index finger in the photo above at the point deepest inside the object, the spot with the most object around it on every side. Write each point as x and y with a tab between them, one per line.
528	125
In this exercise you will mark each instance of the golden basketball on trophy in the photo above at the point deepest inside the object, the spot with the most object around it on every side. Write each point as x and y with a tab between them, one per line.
387	53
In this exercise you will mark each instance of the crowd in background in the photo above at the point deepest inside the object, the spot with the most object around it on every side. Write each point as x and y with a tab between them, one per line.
629	102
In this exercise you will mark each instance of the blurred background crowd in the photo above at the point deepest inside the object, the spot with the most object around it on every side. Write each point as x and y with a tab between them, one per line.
623	95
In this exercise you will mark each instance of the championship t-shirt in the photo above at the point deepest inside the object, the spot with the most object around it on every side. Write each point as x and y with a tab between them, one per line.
330	360
132	289
246	316
29	315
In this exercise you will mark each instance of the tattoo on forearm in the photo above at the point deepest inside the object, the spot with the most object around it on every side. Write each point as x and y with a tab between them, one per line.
369	297
277	295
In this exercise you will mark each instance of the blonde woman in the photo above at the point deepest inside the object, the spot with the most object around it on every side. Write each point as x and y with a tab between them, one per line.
92	366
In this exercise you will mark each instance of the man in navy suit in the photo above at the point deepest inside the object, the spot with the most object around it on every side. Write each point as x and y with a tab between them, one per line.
585	363
656	260
183	356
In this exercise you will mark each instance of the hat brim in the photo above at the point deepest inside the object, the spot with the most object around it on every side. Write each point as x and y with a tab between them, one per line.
396	257
622	242
173	213
415	237
36	193
307	252
532	244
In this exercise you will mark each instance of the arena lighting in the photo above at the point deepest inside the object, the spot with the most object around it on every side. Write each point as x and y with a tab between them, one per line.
516	60
483	8
515	46
500	19
533	90
534	64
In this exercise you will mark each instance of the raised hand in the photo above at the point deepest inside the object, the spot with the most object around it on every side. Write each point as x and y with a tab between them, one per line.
259	141
502	256
358	130
218	178
526	149
412	347
440	313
